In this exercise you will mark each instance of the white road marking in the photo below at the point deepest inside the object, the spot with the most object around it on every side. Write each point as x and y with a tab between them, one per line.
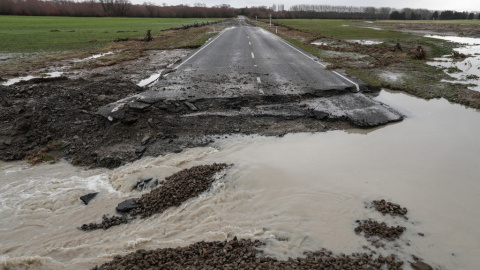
181	64
347	79
249	43
253	55
254	65
258	80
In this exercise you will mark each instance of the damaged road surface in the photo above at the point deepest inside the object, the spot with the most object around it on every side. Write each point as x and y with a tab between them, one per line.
245	80
248	80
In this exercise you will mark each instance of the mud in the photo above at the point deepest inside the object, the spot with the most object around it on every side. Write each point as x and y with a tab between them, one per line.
49	118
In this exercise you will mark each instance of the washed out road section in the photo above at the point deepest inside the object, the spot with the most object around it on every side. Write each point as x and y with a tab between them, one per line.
259	74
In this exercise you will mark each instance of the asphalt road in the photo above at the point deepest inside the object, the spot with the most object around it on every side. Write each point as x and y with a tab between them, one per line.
246	71
248	60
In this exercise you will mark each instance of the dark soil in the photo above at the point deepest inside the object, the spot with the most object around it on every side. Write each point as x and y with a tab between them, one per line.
41	119
243	254
178	188
390	208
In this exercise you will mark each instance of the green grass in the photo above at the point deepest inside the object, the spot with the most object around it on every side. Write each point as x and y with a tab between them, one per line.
431	22
28	34
354	29
340	28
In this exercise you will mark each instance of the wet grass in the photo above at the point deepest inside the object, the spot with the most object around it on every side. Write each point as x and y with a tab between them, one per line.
34	34
340	28
164	39
413	76
438	22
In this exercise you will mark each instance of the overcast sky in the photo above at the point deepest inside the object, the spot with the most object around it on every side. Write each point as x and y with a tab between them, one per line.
458	5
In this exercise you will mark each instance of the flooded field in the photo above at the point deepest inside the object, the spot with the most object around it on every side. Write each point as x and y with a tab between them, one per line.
297	193
465	70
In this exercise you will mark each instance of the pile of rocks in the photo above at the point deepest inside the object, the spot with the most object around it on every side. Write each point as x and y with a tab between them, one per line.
390	208
243	254
107	222
178	188
374	228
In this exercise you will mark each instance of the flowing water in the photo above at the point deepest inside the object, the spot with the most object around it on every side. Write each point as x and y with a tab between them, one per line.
299	192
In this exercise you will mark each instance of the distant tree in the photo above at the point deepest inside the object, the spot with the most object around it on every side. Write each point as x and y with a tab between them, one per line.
435	15
6	7
446	15
471	16
383	13
370	13
414	16
395	15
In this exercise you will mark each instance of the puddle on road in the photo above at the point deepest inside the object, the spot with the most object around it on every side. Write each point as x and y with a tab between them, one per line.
300	192
465	71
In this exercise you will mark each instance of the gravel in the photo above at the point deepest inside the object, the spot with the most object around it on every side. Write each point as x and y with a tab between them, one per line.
244	254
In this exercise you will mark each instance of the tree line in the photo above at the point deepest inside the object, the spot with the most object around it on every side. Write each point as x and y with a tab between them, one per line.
124	8
111	8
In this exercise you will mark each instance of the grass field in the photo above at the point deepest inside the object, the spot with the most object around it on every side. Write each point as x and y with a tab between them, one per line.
26	34
385	67
431	22
340	28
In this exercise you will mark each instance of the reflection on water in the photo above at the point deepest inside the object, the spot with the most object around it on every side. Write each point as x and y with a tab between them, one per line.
307	189
467	70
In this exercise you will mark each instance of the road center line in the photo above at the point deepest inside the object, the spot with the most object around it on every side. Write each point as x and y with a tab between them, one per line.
253	55
313	59
201	49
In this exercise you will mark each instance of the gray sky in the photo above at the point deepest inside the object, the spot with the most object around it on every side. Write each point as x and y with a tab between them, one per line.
458	5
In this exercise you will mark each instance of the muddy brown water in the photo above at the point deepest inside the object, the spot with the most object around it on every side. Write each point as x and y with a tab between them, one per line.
297	193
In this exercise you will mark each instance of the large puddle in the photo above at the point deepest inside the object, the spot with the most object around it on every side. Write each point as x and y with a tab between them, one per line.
466	70
299	192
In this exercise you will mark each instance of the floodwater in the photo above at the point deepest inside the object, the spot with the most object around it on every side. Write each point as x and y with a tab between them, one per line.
299	192
365	41
54	74
468	69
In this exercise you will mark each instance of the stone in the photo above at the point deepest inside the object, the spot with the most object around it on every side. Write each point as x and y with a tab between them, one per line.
87	198
191	106
139	106
127	205
145	139
140	150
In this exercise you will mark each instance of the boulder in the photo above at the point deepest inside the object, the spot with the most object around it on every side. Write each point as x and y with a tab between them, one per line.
87	198
127	205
